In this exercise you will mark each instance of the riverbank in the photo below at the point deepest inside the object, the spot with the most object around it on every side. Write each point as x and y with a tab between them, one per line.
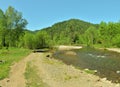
51	72
64	47
105	62
114	49
54	73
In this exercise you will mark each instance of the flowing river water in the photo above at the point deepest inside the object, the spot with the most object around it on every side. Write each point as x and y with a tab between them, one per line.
106	63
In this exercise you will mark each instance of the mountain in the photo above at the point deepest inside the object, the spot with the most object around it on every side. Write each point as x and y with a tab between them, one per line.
72	24
68	30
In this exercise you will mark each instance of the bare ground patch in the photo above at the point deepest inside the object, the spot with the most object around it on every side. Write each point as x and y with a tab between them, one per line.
16	77
57	74
53	73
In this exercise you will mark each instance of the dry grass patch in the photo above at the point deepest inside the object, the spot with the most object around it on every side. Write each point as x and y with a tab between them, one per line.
33	79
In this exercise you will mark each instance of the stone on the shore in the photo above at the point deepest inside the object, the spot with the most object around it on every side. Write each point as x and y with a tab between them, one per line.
118	72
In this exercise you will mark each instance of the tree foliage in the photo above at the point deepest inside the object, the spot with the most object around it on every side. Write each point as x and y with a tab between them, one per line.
15	25
70	32
109	33
91	35
11	26
78	32
2	28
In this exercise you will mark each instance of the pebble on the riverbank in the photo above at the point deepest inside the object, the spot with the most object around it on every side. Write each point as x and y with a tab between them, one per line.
118	72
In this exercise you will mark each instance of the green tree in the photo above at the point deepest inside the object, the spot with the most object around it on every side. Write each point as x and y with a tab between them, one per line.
104	34
116	40
15	25
28	40
42	39
67	32
3	30
115	34
91	36
112	31
82	39
108	33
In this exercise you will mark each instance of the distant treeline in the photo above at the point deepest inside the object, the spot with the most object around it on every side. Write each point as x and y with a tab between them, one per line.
78	32
70	32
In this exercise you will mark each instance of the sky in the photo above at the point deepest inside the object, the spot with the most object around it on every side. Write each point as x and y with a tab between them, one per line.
44	13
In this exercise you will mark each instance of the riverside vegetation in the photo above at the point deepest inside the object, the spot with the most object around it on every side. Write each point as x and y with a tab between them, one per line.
9	57
71	32
15	38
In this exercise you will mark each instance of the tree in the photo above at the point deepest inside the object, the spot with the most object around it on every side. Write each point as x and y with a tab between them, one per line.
3	30
104	34
115	34
67	32
15	25
28	40
91	36
116	40
42	39
108	33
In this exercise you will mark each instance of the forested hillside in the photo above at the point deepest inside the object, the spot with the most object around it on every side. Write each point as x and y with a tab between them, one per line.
78	32
13	33
68	32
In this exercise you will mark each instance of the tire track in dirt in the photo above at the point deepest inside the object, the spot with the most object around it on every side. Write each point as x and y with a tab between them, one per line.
54	73
16	77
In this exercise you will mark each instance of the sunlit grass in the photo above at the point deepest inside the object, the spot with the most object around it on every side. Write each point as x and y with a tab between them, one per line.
8	57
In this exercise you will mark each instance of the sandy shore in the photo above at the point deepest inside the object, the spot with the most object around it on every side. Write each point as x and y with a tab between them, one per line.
63	47
57	74
114	49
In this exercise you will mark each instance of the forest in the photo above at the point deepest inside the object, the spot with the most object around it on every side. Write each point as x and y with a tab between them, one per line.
13	33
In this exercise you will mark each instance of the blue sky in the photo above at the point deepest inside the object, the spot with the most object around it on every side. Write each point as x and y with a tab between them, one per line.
44	13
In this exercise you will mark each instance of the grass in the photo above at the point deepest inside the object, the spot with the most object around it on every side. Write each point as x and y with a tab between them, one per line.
9	57
33	79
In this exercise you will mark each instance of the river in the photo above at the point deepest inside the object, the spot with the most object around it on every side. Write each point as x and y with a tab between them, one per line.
106	63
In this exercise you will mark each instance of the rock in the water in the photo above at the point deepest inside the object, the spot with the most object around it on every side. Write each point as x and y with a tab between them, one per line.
95	71
118	72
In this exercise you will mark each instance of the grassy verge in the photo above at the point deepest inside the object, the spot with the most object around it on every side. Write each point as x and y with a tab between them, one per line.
9	57
33	79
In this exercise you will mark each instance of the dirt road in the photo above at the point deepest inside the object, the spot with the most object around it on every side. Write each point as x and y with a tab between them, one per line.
16	77
54	73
